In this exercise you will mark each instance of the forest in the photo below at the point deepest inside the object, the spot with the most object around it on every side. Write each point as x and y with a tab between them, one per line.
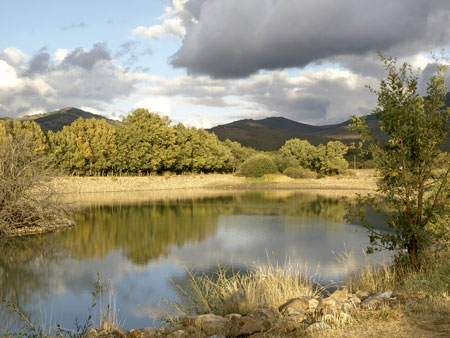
146	143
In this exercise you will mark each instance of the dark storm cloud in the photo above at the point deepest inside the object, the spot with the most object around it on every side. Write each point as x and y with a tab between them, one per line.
87	59
236	38
39	64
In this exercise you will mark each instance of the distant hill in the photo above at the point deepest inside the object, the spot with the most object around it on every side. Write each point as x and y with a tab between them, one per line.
272	132
56	120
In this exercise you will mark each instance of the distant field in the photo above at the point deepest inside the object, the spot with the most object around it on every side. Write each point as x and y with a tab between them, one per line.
361	180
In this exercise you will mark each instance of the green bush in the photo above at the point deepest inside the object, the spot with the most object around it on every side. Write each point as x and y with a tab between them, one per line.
283	162
257	166
293	172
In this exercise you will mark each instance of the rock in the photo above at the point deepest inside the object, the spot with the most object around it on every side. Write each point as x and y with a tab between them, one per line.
355	300
177	334
217	336
317	326
264	313
362	294
148	332
298	306
246	326
92	333
188	320
340	295
328	306
290	324
377	300
212	324
233	315
119	333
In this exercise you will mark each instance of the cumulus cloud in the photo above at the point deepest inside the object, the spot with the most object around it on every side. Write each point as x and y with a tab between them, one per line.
172	25
327	96
76	78
159	104
235	38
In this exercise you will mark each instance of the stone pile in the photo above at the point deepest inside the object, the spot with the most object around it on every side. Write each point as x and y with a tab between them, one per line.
303	314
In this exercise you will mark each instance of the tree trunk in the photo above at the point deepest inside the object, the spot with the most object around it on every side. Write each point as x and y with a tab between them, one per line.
413	252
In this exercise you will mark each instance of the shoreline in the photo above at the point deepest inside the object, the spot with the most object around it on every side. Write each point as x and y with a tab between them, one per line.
360	180
79	192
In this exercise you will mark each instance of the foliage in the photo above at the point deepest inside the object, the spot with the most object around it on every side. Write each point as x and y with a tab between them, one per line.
299	150
239	153
327	159
299	173
257	166
283	162
86	146
147	142
416	127
331	158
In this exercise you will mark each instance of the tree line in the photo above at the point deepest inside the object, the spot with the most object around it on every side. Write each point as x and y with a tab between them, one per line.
147	143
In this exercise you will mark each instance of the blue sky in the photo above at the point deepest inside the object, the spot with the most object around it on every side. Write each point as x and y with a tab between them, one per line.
205	62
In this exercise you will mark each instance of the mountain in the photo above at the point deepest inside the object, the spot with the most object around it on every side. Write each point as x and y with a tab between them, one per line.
272	132
56	120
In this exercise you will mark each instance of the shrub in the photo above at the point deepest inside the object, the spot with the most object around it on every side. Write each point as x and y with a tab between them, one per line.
283	162
257	166
25	201
299	173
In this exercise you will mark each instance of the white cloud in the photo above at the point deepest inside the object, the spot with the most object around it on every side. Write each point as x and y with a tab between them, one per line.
160	105
202	122
8	75
74	78
171	27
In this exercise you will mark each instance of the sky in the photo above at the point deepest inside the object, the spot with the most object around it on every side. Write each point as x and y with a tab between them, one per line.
209	62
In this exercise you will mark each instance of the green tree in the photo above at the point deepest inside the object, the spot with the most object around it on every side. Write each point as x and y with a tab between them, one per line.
330	159
147	142
416	127
299	150
88	146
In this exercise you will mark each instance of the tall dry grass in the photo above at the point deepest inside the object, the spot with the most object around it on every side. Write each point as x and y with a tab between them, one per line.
226	291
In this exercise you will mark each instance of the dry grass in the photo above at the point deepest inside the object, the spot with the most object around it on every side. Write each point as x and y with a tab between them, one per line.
362	181
227	292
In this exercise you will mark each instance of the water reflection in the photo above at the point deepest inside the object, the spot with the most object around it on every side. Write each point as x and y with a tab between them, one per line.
139	245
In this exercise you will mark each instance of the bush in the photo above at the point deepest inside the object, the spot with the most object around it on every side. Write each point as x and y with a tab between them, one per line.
283	162
257	166
25	201
299	173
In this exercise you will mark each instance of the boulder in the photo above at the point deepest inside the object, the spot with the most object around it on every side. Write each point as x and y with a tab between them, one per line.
264	313
377	300
120	333
246	326
149	332
362	294
340	295
212	324
233	315
299	306
329	305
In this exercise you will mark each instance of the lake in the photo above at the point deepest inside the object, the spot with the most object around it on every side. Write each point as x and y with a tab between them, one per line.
139	246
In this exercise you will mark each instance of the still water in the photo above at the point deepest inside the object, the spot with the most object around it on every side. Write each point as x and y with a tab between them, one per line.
140	246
